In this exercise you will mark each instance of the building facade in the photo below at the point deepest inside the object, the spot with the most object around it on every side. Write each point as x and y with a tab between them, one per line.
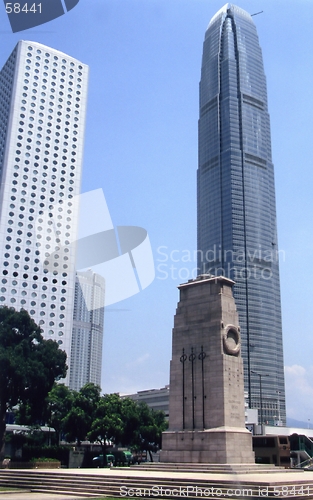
156	399
87	338
43	95
236	199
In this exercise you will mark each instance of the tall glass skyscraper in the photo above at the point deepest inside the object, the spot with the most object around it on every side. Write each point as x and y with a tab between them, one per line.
236	199
43	94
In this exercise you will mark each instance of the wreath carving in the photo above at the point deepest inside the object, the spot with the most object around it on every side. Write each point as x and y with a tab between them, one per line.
231	340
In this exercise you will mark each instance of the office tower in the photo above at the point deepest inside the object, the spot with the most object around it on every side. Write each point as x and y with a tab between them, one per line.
86	353
42	117
236	199
157	399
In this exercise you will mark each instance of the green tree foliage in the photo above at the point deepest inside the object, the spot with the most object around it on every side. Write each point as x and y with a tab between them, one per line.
151	425
77	422
29	365
131	419
107	419
108	425
59	403
124	421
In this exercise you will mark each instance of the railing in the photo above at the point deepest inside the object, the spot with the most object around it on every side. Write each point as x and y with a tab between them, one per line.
304	464
301	443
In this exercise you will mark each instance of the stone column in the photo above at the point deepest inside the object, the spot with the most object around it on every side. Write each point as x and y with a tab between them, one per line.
206	408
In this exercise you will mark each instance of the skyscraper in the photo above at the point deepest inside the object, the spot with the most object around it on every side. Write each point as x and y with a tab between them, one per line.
86	352
236	198
43	96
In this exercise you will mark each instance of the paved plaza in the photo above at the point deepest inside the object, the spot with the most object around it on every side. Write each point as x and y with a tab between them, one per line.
16	495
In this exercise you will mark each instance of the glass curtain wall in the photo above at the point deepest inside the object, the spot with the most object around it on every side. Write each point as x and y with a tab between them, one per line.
236	199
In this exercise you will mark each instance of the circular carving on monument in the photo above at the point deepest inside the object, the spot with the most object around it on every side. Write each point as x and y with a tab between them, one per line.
231	340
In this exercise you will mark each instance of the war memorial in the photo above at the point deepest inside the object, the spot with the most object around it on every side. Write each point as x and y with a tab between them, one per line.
206	418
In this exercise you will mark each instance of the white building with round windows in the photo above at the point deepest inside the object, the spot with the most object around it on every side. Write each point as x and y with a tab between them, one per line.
43	95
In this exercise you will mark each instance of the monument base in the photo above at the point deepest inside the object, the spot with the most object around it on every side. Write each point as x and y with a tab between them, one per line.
220	445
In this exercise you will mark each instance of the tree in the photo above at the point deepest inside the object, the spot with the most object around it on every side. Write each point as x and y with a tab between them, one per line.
123	421
107	425
59	403
130	415
77	423
29	365
152	424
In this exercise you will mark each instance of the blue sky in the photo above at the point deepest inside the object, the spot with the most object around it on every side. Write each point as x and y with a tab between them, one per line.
141	149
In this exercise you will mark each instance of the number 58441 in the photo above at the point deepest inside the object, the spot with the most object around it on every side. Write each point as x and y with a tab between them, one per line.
17	8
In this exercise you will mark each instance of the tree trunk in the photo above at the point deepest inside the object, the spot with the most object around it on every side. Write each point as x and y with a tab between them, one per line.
104	452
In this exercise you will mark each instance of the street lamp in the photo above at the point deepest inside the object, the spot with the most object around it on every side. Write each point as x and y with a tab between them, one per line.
260	375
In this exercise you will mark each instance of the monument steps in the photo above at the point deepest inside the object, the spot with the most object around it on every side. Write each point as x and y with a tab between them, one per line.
211	468
91	483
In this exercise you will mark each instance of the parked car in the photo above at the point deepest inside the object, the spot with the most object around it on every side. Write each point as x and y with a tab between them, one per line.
123	457
104	460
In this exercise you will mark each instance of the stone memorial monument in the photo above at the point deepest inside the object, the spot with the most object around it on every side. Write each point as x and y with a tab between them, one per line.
206	408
